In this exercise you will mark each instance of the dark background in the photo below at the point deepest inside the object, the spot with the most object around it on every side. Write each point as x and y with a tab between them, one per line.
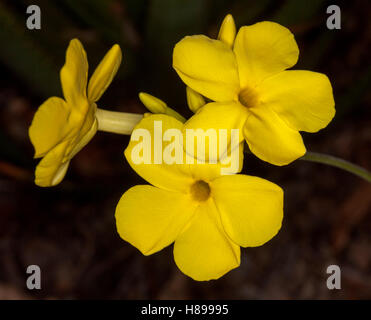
69	230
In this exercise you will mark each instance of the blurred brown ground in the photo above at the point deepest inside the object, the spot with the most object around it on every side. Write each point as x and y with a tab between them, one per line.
69	230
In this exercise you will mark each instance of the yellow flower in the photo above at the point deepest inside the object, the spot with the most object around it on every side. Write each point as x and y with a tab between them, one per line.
246	76
207	215
61	128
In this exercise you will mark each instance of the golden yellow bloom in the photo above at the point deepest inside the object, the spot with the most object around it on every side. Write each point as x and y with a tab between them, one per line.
247	77
207	215
62	127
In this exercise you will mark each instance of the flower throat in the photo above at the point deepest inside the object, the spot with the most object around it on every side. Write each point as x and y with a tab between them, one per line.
200	190
248	97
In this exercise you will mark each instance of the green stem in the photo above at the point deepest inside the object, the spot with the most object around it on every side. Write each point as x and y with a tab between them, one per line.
338	163
334	162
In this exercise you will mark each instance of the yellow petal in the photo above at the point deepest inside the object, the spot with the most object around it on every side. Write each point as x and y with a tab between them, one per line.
262	50
194	99
219	117
271	139
207	66
74	75
251	208
227	32
49	125
230	164
51	169
104	73
84	138
203	251
84	126
151	218
147	157
303	99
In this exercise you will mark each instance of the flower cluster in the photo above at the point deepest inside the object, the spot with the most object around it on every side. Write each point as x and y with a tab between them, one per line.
238	81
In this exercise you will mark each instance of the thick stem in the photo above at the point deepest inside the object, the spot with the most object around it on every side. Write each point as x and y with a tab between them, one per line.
117	122
337	162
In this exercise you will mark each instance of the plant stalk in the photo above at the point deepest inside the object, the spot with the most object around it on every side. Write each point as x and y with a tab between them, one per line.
338	163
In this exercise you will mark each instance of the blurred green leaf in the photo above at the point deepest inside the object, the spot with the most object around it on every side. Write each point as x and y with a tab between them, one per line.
106	18
245	12
96	13
24	56
168	22
294	11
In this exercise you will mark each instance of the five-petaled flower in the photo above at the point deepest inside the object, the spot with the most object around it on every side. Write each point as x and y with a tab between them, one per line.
206	215
246	77
61	128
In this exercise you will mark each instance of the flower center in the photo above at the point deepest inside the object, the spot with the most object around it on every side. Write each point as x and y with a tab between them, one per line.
248	97
200	190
